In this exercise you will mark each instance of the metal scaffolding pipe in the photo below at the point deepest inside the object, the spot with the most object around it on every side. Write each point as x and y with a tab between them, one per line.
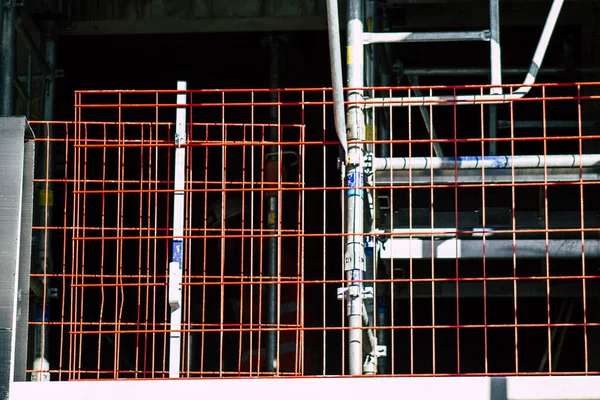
370	338
485	71
419	37
536	62
495	53
7	58
272	163
496	69
355	253
487	162
437	147
44	214
335	59
176	264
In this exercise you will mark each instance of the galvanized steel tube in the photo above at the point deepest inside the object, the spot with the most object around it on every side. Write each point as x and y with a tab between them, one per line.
487	162
44	215
354	258
417	37
335	59
271	223
496	68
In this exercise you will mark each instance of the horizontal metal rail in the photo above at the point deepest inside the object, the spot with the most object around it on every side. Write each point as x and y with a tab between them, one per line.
487	162
485	71
417	248
507	176
416	37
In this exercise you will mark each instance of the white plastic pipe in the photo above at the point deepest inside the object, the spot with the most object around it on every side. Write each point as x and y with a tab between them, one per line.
536	62
488	162
335	59
354	256
495	53
175	267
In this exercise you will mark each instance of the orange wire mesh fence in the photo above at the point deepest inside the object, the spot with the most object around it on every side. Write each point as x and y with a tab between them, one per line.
477	264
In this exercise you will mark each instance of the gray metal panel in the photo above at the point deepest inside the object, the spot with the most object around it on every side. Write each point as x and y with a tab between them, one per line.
16	199
25	259
470	176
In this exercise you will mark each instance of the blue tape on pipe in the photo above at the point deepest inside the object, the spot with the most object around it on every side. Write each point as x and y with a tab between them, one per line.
178	251
356	275
355	180
497	161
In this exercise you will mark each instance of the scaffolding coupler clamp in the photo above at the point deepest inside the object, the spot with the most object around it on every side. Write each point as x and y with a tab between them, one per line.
354	159
368	161
368	168
353	291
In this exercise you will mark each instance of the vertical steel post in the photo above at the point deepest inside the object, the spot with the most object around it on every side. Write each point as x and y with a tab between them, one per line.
496	67
370	68
335	59
272	163
383	126
45	202
354	258
175	267
7	56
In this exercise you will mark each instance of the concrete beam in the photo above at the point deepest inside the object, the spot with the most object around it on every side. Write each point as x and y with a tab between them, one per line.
220	18
203	25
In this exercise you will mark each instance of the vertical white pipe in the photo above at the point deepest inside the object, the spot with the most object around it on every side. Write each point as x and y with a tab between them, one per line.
496	68
175	267
335	59
495	53
354	259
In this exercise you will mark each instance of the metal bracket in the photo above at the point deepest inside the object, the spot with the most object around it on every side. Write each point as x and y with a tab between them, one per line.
369	365
353	291
355	159
368	169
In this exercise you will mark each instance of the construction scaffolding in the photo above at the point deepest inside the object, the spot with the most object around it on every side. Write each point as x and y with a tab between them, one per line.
370	229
